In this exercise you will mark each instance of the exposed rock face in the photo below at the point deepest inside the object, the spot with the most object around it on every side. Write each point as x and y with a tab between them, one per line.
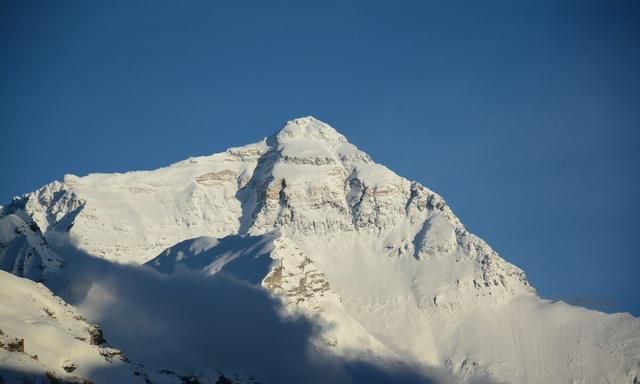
295	277
95	335
14	345
69	366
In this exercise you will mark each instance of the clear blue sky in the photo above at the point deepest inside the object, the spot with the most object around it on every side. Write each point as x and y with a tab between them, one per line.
524	115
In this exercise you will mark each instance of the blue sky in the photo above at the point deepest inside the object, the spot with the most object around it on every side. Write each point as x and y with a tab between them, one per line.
524	115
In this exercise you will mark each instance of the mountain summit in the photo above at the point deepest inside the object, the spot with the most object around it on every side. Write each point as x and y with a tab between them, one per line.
309	128
381	263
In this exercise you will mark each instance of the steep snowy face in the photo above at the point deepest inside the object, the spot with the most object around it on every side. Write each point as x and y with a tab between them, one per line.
23	250
313	181
131	217
299	183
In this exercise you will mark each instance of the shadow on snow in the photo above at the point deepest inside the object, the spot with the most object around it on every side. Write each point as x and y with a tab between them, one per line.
188	322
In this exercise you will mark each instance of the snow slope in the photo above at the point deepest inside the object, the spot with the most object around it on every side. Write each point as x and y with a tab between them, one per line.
43	336
23	249
315	221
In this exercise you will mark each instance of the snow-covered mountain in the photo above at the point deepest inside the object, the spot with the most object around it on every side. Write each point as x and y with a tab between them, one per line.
379	263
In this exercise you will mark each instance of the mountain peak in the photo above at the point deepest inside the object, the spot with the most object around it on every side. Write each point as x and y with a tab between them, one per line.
327	234
308	128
